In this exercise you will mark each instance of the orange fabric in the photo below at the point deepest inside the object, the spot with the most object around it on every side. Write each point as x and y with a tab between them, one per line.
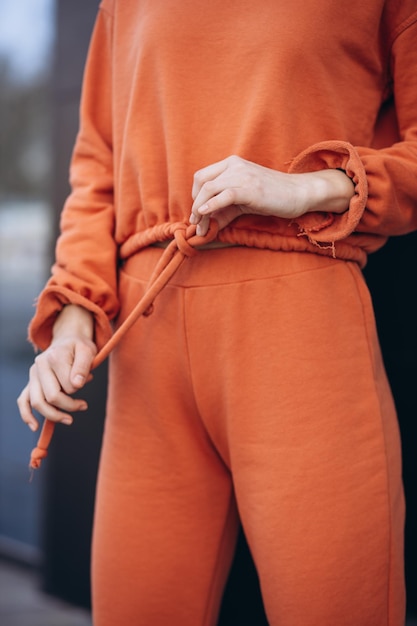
170	88
255	386
178	250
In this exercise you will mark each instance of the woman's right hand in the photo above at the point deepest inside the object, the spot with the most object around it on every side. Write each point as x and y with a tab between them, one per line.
61	370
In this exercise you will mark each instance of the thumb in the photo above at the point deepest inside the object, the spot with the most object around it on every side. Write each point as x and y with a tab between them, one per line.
227	215
81	366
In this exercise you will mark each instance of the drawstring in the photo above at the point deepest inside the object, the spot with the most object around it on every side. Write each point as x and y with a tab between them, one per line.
182	246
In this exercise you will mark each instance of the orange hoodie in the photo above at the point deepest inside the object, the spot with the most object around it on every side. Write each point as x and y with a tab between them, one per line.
171	87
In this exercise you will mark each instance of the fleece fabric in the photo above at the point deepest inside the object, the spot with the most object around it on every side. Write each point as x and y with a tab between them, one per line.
254	391
172	87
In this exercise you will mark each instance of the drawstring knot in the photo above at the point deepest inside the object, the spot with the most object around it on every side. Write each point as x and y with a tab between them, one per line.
182	244
185	244
36	457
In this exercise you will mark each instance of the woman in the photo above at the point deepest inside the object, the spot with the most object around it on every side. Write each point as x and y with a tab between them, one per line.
253	391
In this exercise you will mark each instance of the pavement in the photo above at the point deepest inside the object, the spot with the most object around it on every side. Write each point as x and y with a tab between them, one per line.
22	603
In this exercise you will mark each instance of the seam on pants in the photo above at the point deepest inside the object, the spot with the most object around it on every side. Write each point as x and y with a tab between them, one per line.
389	494
187	345
238	281
232	509
216	451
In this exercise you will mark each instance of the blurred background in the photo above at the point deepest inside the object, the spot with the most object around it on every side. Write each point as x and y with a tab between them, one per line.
45	523
26	43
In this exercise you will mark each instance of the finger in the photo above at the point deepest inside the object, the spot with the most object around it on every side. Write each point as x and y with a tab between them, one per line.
44	382
47	397
83	358
223	218
225	198
214	196
55	368
207	173
227	215
25	404
25	411
203	226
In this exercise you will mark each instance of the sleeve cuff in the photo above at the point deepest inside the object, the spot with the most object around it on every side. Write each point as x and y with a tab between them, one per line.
51	301
319	227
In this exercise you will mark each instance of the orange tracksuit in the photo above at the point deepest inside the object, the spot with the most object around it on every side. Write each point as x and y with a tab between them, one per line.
255	390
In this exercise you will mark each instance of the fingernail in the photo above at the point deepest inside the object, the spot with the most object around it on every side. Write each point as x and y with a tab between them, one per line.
79	380
32	427
203	209
83	407
67	421
193	218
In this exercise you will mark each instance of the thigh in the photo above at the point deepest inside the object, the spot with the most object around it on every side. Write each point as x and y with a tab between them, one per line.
165	521
309	430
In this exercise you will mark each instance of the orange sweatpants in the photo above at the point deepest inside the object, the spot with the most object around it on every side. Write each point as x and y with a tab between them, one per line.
254	392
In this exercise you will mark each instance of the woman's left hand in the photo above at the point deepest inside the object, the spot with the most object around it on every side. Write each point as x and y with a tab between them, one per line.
234	186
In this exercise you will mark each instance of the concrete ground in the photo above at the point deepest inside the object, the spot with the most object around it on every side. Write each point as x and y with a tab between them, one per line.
22	603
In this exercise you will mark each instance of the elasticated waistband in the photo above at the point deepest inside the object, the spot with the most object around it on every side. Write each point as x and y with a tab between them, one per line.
221	266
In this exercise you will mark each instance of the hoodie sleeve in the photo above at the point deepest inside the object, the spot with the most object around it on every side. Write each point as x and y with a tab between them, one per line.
385	200
84	272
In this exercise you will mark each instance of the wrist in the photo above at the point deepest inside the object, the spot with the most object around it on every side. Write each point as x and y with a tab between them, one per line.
74	320
332	191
